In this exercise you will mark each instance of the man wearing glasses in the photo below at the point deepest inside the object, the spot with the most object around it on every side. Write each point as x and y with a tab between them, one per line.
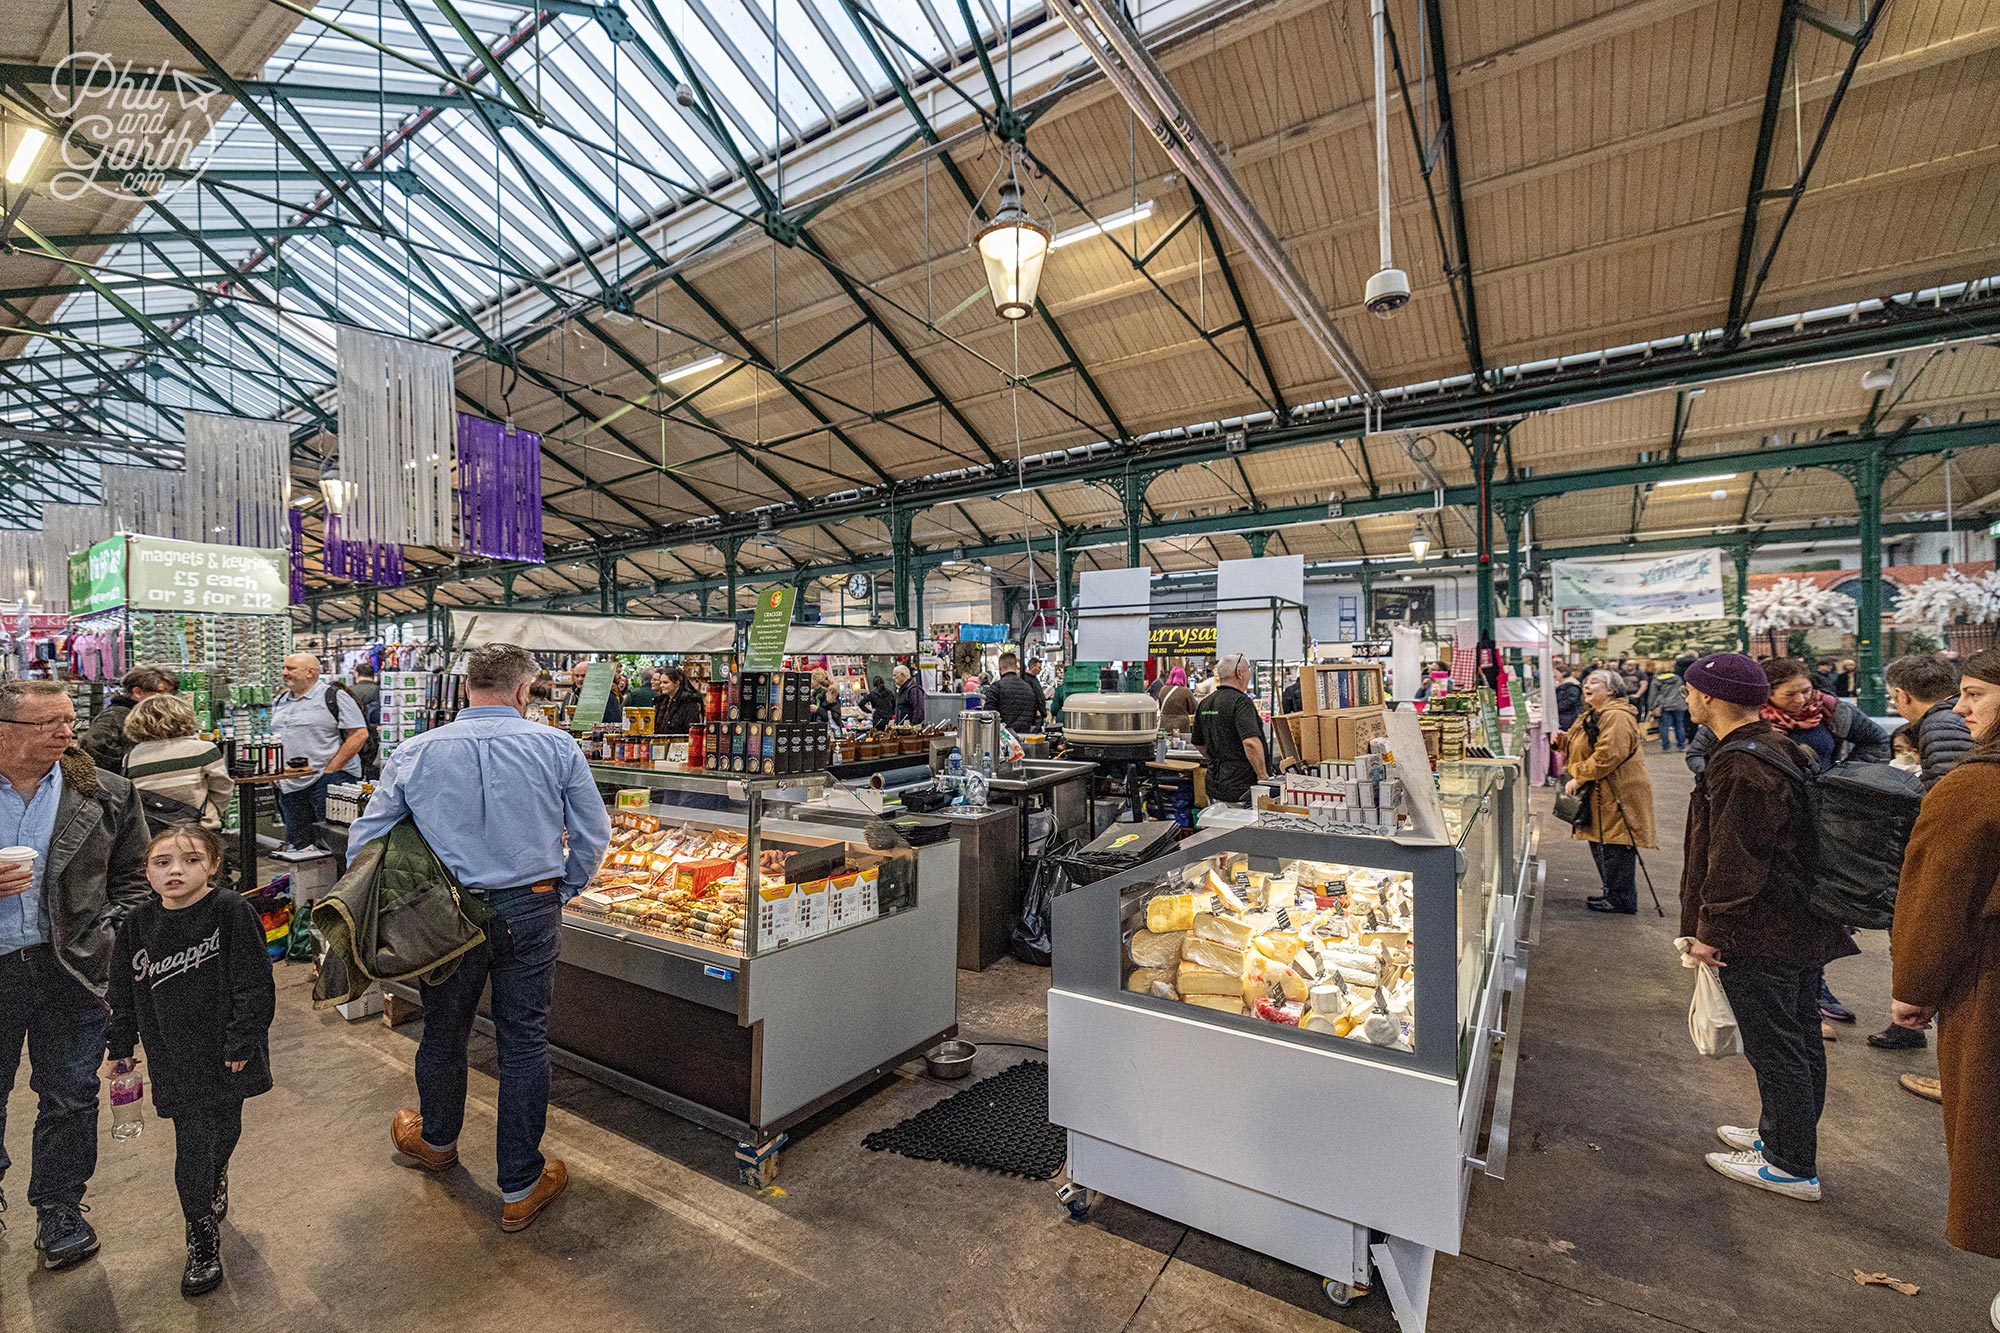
72	863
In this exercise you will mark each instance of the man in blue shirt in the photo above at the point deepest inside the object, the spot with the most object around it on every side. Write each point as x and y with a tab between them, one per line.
73	866
494	794
322	724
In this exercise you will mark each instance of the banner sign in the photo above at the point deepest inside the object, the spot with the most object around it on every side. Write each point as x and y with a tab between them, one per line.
97	578
1185	638
1579	623
1642	590
164	575
769	628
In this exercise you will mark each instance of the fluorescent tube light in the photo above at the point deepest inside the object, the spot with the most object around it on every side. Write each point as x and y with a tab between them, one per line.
1099	226
1700	481
692	368
26	153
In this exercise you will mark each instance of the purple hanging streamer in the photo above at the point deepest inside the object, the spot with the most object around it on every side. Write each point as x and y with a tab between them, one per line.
379	563
297	520
499	490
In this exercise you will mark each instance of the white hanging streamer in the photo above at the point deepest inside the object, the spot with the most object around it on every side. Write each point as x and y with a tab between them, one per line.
24	565
66	529
397	439
237	482
149	500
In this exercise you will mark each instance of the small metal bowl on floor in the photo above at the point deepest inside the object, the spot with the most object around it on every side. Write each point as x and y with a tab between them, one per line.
951	1059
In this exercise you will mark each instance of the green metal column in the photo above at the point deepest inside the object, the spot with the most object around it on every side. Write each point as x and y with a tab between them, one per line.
901	521
1258	541
729	550
507	578
705	591
606	581
1511	514
1132	490
1065	571
1742	554
1364	620
1867	478
919	574
1484	442
800	582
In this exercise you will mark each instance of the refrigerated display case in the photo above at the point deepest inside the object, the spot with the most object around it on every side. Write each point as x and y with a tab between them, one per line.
1286	1037
673	989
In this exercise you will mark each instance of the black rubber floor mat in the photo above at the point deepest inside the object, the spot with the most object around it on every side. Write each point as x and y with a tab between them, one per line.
1000	1123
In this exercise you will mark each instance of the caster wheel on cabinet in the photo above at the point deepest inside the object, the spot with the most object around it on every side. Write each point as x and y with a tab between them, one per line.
1077	1200
1341	1293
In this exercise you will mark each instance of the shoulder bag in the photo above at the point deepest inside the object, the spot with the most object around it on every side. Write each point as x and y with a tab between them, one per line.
1573	808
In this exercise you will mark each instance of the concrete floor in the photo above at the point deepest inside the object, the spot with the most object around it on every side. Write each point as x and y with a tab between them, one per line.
1609	1220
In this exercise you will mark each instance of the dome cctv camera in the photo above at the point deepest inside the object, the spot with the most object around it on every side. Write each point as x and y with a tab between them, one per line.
1388	292
684	94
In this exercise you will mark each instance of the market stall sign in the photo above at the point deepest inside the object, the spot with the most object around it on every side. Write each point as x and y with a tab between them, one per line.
164	575
592	698
968	633
769	628
97	578
1184	640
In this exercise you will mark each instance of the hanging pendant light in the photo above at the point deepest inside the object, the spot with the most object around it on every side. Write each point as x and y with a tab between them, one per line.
1420	542
1013	246
336	491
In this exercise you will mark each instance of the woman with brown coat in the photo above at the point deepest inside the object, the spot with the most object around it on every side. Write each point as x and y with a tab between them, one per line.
1603	748
1945	945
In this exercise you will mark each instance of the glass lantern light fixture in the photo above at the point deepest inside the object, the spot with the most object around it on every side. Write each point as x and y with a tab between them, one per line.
1420	542
1013	244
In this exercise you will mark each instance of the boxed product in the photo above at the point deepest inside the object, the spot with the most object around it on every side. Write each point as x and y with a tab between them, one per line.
694	877
633	798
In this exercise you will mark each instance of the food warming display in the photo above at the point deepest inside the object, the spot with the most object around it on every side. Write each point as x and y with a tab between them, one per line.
1314	944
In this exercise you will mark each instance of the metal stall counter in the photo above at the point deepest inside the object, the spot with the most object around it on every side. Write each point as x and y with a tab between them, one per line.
1224	1018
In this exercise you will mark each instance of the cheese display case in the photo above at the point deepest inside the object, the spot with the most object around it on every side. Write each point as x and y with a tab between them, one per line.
1286	1037
749	1022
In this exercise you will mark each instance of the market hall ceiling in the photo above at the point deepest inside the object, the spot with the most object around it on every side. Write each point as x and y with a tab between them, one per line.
787	188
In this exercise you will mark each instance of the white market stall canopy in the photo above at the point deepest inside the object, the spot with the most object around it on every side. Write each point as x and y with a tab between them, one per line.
540	632
857	640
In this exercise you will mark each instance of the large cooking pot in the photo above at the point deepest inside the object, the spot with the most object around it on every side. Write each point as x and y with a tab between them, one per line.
1110	719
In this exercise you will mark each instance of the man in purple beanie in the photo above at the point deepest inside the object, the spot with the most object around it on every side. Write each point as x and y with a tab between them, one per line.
1749	839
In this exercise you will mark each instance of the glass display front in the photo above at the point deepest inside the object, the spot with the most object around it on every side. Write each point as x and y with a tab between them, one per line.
1316	945
682	873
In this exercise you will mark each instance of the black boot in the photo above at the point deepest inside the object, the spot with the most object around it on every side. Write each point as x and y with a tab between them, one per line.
1893	1038
220	1204
204	1261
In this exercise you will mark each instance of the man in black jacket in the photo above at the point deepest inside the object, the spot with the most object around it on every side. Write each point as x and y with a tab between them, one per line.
106	741
1013	698
59	914
909	695
1743	905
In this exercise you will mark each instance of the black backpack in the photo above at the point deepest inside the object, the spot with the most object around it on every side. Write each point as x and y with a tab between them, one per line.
371	748
1861	817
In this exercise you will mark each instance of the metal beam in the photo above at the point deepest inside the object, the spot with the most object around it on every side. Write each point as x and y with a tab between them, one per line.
1447	149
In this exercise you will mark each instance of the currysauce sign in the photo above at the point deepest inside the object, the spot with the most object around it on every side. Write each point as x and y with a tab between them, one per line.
164	575
1183	639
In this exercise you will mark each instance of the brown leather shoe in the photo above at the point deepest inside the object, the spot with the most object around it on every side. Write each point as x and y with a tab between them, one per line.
1927	1088
555	1179
406	1131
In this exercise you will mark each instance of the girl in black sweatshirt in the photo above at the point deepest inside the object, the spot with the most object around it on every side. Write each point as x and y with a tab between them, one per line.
190	978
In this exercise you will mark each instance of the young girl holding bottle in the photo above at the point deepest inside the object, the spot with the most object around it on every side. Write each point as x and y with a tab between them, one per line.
190	979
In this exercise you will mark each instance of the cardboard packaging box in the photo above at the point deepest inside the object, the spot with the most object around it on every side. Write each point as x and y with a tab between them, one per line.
1346	735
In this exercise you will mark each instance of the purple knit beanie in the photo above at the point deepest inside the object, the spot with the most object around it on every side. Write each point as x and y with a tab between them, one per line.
1730	677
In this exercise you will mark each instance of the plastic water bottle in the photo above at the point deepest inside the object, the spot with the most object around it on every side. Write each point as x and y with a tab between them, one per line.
127	1087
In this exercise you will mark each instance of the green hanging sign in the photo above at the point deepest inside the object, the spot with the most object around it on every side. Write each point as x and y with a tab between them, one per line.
97	578
769	628
593	697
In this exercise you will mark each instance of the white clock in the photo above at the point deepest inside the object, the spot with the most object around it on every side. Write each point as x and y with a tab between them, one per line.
858	587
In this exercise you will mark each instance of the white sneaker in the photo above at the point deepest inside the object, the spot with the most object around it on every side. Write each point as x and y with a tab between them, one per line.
1739	1138
1994	1313
1750	1168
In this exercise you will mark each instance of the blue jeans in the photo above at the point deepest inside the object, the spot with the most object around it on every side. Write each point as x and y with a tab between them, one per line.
519	957
1673	721
63	1025
303	809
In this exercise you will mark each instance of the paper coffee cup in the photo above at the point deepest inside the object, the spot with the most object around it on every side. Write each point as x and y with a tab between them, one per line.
18	856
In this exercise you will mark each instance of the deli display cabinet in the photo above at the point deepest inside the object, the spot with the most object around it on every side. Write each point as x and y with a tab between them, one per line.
1286	1037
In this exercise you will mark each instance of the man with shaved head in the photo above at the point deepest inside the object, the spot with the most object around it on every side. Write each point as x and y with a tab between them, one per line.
323	725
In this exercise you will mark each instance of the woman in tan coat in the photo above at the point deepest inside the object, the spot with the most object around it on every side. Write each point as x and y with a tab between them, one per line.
1602	747
1945	946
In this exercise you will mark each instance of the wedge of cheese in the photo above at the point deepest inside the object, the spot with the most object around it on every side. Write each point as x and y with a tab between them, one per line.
1228	1004
1278	944
1226	893
1262	974
1156	949
1225	930
1142	978
1194	979
1169	912
1208	953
